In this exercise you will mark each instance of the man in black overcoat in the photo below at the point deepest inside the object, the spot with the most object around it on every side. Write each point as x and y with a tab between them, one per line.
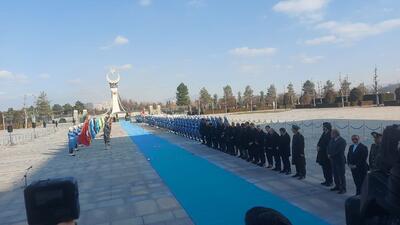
284	149
322	155
298	157
274	138
336	149
260	147
268	147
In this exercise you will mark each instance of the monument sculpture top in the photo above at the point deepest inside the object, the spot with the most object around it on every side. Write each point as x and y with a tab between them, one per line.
113	83
116	106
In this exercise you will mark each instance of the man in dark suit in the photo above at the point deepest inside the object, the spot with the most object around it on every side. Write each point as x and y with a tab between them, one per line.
252	143
268	146
208	133
284	149
230	139
357	161
275	149
322	155
238	131
298	157
243	141
336	149
261	146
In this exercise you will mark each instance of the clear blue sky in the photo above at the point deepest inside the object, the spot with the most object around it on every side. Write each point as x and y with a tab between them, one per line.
66	47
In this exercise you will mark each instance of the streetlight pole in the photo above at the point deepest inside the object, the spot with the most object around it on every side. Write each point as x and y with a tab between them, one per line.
341	89
4	124
226	108
25	114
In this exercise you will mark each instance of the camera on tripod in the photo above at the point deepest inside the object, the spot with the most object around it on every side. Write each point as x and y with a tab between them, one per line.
52	201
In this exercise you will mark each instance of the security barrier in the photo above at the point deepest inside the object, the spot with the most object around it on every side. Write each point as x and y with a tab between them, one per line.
21	136
347	128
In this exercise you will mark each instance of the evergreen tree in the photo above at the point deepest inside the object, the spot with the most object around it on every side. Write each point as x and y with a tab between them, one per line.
182	95
215	101
239	99
43	106
362	88
271	94
229	99
397	93
205	97
57	110
248	96
345	88
262	98
291	95
308	92
330	96
356	95
329	86
79	106
67	109
227	91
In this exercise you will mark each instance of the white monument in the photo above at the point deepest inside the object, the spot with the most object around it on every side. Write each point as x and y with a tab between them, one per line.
151	110
116	106
158	109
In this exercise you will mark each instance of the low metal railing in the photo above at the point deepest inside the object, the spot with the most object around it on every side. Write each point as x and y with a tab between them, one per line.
21	136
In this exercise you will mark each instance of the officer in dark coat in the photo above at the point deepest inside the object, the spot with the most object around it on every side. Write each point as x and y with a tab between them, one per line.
208	133
336	149
275	149
243	141
218	135
237	139
322	155
252	143
268	147
298	157
375	151
247	140
284	149
260	147
230	139
222	138
213	135
357	161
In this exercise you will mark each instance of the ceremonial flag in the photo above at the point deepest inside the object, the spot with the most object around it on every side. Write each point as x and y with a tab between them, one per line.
84	138
91	128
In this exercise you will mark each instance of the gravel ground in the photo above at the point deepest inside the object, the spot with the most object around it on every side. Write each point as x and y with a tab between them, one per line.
370	113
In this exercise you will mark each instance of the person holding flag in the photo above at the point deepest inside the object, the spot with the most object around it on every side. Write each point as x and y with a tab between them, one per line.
84	137
92	128
71	141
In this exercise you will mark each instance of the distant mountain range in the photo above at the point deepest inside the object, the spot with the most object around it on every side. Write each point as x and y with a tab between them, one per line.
390	87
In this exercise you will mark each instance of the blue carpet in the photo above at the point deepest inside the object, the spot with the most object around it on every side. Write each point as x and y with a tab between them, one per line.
208	193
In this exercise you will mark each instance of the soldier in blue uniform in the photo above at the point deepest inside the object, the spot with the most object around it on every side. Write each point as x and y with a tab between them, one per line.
71	141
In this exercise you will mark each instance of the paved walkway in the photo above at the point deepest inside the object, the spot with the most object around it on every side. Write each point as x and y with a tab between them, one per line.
119	186
116	186
307	194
